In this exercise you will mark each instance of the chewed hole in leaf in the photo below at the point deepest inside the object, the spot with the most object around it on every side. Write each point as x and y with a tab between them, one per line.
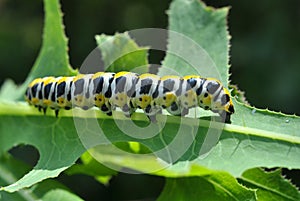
26	153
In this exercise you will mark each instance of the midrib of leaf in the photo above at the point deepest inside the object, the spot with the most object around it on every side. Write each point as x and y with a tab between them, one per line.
262	133
266	188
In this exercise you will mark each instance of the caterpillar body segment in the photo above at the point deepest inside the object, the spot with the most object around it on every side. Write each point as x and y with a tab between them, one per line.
143	97
129	91
101	91
62	93
123	89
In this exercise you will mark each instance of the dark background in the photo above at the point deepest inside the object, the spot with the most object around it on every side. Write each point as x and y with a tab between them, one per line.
265	57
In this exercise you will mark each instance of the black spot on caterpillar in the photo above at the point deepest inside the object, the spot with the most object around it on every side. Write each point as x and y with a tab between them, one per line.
130	91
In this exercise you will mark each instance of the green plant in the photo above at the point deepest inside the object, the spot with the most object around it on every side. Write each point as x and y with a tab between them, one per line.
261	138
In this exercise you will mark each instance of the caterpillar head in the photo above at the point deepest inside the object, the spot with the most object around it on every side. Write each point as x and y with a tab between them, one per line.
226	102
224	105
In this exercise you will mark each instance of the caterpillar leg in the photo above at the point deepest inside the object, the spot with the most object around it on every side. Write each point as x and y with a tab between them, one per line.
177	110
128	111
44	110
106	109
41	109
174	109
152	118
184	111
85	107
56	112
151	112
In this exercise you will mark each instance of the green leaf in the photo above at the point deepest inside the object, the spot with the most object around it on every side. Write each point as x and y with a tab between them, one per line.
10	91
59	145
210	186
265	119
121	53
238	148
11	169
198	42
53	57
270	185
60	195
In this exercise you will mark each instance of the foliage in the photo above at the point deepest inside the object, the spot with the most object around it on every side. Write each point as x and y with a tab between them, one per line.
225	170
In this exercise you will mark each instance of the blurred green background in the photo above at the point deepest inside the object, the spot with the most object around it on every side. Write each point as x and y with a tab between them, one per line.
265	53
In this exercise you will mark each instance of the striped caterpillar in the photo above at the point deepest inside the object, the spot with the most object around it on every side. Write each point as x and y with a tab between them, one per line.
130	91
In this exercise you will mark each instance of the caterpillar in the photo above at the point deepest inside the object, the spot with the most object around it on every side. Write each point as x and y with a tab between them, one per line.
130	91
